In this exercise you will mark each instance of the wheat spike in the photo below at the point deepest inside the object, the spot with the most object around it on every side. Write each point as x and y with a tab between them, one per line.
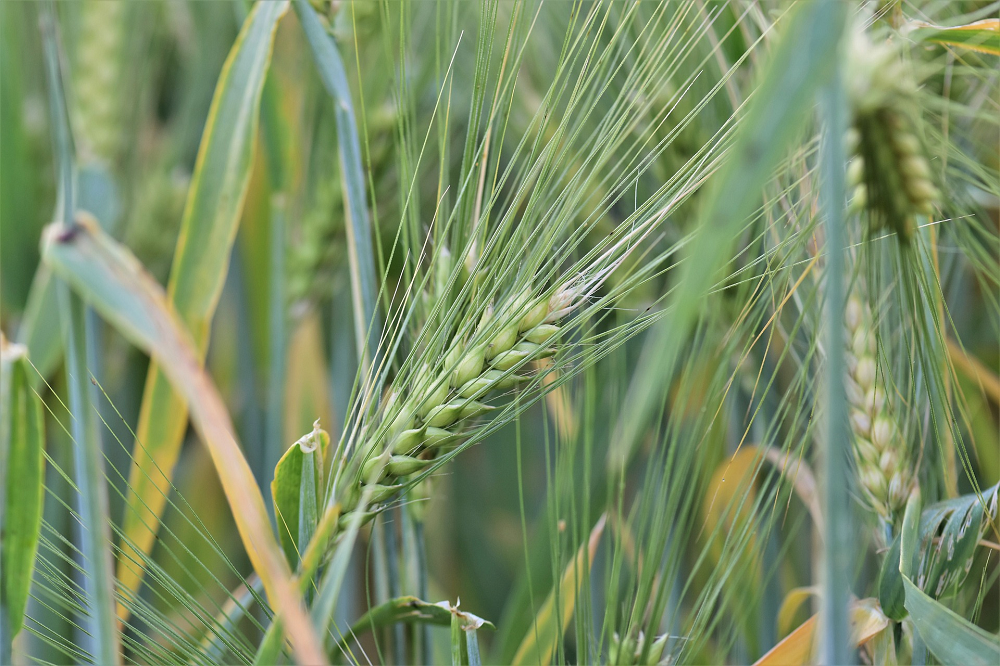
99	74
880	454
421	424
888	172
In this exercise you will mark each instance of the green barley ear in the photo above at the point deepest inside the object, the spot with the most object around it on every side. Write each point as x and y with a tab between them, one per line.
889	171
98	76
629	651
430	411
883	466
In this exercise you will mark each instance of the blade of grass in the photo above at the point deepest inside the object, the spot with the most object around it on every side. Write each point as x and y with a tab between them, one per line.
459	657
208	229
277	341
22	475
838	548
540	641
113	281
39	329
952	638
412	610
88	474
93	529
364	284
982	36
297	467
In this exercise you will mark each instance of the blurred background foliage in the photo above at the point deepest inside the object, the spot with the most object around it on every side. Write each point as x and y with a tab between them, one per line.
703	522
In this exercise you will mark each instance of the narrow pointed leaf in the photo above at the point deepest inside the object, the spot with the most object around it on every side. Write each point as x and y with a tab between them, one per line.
94	536
540	641
287	486
114	283
982	36
782	103
361	256
952	638
22	440
208	229
412	610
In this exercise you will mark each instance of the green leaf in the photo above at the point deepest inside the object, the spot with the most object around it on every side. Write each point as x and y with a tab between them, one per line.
982	36
90	479
891	593
208	229
540	641
949	533
416	611
110	278
40	327
459	657
359	234
952	638
286	489
271	645
22	440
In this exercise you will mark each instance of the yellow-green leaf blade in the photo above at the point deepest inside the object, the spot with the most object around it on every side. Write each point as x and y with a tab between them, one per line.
208	229
21	445
286	489
952	638
109	277
982	36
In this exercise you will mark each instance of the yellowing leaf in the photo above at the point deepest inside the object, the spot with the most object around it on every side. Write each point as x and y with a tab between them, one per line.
790	606
982	36
208	228
796	649
22	439
546	630
107	275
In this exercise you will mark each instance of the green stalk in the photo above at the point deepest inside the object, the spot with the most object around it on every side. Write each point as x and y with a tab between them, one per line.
423	631
88	474
277	343
392	578
364	284
459	656
472	648
88	462
307	505
835	637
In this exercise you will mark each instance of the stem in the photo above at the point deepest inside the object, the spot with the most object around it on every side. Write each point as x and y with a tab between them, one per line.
392	577
424	630
88	474
835	643
277	344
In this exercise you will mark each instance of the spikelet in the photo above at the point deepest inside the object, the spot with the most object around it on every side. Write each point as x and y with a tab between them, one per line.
882	461
98	76
434	417
888	171
312	258
629	651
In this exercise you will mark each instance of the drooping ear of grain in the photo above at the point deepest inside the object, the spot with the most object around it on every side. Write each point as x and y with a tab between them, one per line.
22	440
431	413
880	452
889	171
